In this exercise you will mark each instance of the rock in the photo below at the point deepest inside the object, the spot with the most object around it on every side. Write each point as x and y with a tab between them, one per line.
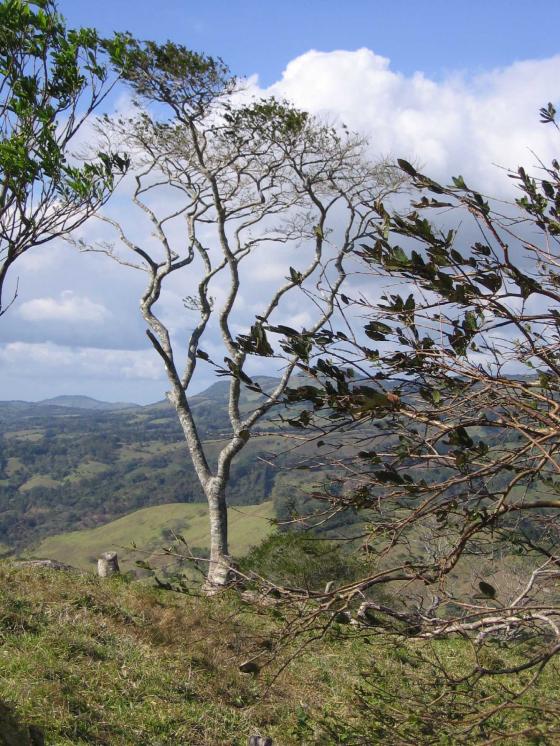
48	563
249	667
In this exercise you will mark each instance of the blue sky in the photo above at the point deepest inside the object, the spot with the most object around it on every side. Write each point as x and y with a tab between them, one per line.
259	36
454	86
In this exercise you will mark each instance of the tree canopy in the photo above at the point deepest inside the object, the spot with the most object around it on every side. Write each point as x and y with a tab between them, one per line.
51	80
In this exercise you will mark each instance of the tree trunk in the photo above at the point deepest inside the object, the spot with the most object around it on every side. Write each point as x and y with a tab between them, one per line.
219	572
108	565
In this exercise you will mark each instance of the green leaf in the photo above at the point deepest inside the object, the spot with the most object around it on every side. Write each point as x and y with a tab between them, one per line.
548	114
377	330
407	167
295	276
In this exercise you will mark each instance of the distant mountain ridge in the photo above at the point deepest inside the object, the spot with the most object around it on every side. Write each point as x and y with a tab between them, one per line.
217	395
84	402
217	392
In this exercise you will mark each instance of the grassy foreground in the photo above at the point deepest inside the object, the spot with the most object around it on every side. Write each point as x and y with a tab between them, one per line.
150	528
113	662
117	663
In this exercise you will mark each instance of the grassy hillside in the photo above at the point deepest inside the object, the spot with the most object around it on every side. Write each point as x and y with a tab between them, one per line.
113	663
151	528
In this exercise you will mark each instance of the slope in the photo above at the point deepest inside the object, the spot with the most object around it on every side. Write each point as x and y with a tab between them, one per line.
150	528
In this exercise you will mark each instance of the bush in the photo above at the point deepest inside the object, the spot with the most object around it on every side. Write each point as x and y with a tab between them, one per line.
301	560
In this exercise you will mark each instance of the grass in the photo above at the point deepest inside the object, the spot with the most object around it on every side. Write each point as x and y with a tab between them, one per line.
13	466
87	469
106	662
149	529
115	663
39	480
32	436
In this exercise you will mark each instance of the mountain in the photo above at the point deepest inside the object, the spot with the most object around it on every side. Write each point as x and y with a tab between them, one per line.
85	402
218	393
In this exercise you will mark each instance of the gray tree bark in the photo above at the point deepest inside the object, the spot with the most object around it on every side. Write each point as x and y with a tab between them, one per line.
219	570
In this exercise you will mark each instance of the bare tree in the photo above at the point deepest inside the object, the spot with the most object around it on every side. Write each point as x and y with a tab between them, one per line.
240	185
51	80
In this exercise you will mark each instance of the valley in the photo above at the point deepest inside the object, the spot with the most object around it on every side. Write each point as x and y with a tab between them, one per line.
79	476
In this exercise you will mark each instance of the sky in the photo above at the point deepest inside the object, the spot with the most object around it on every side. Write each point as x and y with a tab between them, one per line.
454	86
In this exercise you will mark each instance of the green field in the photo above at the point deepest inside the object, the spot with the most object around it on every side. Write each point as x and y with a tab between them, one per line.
150	529
39	480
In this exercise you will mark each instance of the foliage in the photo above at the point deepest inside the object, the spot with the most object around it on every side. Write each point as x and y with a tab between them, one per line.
417	692
51	80
186	81
443	408
301	560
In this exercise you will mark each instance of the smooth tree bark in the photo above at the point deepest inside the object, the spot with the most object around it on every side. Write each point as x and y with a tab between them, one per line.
227	187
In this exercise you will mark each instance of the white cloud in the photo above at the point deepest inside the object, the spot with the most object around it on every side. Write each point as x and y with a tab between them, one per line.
48	359
41	258
459	125
68	307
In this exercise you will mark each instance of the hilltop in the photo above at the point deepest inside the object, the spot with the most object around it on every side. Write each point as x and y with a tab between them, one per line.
84	402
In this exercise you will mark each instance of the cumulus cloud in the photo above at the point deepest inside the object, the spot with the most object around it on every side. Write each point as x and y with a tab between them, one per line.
41	258
68	307
461	124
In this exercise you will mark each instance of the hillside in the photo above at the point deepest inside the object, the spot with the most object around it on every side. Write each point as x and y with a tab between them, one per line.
86	661
114	663
85	402
150	528
73	464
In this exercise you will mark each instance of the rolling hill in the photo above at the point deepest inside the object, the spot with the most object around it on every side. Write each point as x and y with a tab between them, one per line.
73	463
85	402
150	528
